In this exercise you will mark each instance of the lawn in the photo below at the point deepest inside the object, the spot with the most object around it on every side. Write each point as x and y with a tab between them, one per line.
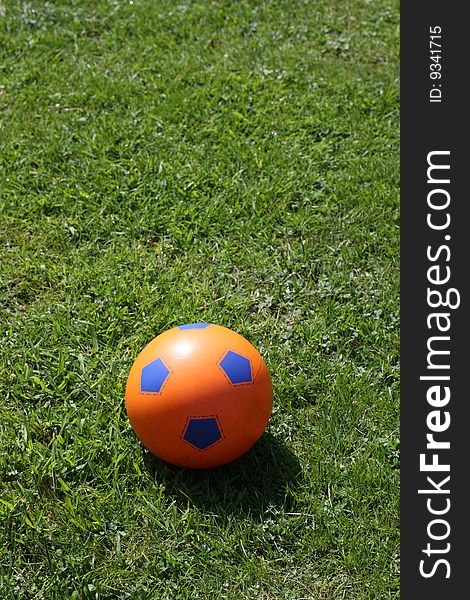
229	162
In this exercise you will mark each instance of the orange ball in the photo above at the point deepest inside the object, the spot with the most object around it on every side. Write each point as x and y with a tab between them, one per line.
199	395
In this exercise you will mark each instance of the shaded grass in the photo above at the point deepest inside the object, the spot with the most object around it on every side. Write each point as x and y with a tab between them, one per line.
225	162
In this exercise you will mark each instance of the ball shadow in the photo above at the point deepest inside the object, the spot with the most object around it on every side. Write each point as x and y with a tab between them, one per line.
266	476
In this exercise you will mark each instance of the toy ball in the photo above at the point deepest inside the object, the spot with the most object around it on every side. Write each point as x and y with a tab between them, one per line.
199	396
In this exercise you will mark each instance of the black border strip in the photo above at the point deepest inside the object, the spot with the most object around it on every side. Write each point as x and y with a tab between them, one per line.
426	127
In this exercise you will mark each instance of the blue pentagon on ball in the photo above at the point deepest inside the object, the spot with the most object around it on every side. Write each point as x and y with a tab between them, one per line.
202	432
237	368
153	376
194	326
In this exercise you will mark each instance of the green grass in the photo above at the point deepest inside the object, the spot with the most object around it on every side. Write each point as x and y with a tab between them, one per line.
230	162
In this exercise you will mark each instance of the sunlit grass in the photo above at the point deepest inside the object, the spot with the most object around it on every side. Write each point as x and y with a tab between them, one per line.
228	162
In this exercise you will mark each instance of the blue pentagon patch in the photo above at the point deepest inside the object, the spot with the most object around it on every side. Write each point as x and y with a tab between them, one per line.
237	368
153	377
202	432
194	326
